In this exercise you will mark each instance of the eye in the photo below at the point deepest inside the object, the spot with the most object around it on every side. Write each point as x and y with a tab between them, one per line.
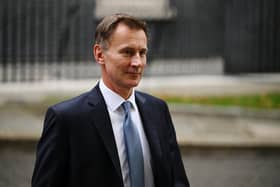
127	52
143	52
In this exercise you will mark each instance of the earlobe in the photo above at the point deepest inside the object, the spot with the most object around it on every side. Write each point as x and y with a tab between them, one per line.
98	54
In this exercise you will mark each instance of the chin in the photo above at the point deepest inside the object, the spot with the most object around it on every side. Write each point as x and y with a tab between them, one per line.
133	83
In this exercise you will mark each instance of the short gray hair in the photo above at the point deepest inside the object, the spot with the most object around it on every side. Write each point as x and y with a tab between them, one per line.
108	25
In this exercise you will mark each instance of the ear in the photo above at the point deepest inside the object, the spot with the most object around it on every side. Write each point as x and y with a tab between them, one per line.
98	54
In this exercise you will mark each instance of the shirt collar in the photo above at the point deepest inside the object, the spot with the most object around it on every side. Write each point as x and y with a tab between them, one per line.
114	100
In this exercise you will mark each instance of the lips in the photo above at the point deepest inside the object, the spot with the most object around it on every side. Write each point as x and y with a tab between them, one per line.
134	74
134	71
130	72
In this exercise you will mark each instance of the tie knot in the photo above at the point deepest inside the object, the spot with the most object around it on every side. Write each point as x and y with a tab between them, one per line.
126	106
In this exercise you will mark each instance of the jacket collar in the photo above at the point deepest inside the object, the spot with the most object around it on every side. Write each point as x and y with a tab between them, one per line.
151	131
101	120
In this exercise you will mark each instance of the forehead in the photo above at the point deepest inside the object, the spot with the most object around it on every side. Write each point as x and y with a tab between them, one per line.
124	35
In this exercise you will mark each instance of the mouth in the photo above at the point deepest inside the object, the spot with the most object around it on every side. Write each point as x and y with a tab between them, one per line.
135	72
134	75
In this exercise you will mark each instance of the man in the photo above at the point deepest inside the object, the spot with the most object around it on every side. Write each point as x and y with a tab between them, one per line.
111	136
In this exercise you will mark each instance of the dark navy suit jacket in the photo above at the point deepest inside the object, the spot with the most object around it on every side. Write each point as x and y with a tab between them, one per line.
77	146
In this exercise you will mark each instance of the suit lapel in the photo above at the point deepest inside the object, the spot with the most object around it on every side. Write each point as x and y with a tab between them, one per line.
152	134
102	122
149	124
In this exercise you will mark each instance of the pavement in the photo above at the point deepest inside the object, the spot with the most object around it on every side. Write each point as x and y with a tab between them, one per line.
204	126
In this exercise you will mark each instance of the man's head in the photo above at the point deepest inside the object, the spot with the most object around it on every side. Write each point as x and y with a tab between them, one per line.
108	25
121	48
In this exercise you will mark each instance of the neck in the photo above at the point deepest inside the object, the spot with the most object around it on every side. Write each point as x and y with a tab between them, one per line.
121	91
124	93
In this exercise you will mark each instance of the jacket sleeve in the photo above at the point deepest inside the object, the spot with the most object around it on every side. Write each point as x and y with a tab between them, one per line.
179	174
51	156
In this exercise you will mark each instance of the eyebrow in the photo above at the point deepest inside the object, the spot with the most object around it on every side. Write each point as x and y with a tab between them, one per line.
132	48
146	49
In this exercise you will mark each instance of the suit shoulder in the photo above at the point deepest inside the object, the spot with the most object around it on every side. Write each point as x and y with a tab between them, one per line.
150	98
69	105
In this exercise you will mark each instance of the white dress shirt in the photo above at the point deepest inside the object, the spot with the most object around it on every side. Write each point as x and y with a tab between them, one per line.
113	102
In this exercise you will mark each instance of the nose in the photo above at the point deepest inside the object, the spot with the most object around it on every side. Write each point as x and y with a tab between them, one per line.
136	60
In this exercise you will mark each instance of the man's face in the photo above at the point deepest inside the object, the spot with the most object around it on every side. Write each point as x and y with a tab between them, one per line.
125	58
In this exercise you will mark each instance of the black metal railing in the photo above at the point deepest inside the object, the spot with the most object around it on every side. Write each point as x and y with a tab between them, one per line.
252	36
38	33
52	39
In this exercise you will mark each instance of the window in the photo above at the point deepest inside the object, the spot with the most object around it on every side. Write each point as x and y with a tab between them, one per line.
143	9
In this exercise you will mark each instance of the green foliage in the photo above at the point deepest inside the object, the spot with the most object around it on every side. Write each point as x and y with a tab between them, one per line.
265	101
261	101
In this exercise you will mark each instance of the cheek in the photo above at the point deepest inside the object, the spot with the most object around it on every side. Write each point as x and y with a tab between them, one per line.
144	63
114	68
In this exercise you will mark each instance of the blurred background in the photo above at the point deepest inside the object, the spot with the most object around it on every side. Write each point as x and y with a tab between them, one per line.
216	63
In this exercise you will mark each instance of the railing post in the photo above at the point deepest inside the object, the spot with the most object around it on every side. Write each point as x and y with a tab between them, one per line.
4	42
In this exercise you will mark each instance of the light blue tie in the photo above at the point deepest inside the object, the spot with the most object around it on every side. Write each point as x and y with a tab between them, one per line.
133	149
